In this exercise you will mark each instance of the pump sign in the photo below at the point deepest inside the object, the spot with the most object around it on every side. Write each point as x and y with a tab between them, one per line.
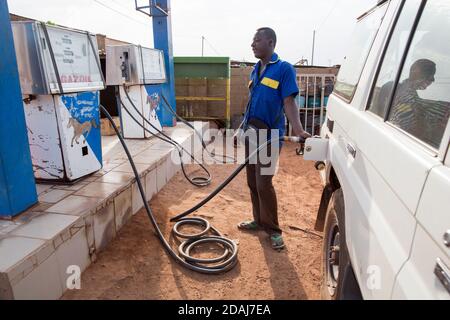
153	64
75	59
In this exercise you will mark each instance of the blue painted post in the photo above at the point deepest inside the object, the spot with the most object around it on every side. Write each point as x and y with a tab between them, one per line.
17	185
162	35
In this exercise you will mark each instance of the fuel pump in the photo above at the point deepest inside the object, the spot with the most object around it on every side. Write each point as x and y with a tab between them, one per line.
137	73
60	77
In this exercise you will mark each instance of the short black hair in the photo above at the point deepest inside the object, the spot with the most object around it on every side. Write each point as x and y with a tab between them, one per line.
269	33
422	68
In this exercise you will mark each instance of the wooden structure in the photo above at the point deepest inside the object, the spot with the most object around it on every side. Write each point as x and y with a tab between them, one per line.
203	88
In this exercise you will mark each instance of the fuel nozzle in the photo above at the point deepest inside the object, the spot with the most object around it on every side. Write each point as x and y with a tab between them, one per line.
300	140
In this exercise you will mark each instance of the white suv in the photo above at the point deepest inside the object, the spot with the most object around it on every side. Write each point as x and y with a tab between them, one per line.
385	209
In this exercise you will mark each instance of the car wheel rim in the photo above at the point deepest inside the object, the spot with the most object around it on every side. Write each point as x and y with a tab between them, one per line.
333	259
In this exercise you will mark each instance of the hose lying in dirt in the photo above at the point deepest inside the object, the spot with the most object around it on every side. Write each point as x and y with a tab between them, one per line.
207	266
198	181
229	258
233	175
218	265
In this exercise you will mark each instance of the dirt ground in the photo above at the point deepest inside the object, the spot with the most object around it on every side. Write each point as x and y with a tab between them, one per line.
135	266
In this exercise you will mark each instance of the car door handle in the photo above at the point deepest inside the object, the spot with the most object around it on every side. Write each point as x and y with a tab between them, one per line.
351	150
443	274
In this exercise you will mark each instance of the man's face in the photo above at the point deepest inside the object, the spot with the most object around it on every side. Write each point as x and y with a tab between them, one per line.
262	46
422	77
422	82
425	82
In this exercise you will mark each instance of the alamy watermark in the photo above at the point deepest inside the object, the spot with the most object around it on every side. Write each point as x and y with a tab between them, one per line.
373	278
73	281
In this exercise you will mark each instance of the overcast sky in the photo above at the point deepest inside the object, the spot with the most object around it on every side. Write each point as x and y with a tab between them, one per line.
228	26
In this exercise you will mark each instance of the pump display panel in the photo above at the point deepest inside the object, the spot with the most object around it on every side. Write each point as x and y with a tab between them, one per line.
56	60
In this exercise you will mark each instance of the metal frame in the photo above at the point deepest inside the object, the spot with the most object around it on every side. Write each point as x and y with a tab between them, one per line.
306	109
162	35
154	10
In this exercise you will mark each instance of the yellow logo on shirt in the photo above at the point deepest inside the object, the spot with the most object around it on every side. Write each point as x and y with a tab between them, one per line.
270	83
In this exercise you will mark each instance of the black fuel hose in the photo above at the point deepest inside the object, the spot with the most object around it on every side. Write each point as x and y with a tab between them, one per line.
232	176
219	265
198	181
216	191
213	194
212	155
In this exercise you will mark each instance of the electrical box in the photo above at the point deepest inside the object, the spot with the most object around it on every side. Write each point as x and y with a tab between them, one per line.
51	56
134	65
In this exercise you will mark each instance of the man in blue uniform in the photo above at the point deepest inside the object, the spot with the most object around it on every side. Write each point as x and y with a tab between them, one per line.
273	88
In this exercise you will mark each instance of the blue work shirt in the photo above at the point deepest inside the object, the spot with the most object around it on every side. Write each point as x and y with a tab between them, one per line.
268	91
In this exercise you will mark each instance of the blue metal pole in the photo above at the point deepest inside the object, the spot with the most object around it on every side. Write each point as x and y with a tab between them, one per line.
162	35
17	185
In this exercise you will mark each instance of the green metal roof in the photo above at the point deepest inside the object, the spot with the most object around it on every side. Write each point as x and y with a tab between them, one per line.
224	60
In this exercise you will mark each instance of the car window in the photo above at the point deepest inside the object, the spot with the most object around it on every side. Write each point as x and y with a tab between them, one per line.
392	59
421	105
362	40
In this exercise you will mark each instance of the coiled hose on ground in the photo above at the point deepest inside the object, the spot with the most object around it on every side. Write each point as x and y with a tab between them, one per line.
218	265
209	234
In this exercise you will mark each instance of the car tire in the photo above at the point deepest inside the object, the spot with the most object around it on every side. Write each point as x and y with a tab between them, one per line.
339	282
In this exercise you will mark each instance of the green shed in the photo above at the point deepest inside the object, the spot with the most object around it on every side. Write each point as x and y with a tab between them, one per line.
203	86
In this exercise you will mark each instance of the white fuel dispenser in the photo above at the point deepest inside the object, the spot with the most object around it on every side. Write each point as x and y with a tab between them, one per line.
139	71
60	78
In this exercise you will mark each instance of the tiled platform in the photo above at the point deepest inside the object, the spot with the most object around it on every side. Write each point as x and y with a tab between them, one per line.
71	224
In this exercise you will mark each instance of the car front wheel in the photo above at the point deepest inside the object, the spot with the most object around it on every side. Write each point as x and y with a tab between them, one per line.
339	281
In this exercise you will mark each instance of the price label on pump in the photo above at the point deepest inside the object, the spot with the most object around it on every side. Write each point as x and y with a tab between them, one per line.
153	64
75	59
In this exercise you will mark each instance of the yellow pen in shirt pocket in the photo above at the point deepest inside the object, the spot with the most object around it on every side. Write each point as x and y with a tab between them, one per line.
270	83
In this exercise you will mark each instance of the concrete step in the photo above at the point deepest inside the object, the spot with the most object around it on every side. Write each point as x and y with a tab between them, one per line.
48	246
